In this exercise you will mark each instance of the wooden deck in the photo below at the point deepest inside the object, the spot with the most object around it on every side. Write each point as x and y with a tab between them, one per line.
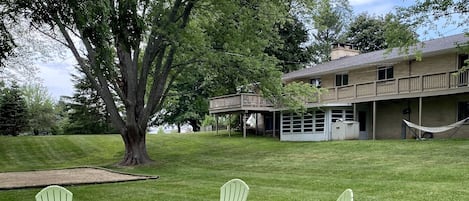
434	84
239	102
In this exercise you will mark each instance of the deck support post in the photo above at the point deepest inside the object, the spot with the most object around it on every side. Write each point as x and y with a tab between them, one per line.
229	125
263	130
244	123
354	111
216	123
257	125
420	116
374	120
273	125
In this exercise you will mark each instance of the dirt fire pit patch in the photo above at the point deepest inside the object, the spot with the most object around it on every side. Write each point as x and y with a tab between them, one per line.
65	177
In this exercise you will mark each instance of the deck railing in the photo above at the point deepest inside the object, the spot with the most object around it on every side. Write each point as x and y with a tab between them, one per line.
397	86
403	85
238	101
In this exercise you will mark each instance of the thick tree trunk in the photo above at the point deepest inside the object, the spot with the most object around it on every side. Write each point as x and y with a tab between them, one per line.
135	149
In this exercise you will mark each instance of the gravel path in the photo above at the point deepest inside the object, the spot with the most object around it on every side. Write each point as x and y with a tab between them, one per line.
74	176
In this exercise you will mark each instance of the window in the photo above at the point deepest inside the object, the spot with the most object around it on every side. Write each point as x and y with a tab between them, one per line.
315	82
385	72
461	59
312	122
463	110
341	80
342	114
319	117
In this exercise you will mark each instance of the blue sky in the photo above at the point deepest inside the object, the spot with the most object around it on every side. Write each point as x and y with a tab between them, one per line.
376	6
56	76
380	7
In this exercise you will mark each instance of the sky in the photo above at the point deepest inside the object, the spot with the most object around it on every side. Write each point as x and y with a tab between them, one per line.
56	75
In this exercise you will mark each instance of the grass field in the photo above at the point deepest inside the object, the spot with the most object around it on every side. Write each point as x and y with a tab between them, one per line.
194	166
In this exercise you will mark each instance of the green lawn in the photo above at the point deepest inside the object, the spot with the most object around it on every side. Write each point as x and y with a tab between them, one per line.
194	166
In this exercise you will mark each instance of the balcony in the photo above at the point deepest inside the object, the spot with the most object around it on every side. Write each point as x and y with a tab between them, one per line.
239	102
433	84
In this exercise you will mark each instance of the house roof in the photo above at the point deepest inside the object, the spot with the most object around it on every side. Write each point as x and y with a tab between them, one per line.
381	57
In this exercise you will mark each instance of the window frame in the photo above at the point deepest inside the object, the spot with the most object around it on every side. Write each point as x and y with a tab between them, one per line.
461	59
344	79
388	72
316	82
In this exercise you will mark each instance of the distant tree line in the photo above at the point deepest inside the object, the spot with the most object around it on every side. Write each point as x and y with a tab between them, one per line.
30	110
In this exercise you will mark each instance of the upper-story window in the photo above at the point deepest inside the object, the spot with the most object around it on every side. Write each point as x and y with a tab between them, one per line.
341	79
385	72
315	82
461	59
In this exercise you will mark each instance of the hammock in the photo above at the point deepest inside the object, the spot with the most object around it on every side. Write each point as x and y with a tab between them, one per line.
436	129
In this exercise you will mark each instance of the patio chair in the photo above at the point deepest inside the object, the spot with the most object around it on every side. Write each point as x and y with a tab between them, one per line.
54	193
347	195
234	190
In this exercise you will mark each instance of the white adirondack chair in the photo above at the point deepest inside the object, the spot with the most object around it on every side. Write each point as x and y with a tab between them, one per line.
234	190
54	193
347	195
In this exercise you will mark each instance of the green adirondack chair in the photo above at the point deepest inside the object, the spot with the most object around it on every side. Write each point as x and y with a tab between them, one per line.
234	190
347	195
54	193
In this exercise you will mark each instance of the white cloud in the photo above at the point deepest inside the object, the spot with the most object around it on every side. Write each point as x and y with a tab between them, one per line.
362	2
56	77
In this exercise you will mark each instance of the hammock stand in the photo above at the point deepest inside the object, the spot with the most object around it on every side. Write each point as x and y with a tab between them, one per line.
432	130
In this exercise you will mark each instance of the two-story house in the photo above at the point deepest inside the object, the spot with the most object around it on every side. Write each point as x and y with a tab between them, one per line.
377	89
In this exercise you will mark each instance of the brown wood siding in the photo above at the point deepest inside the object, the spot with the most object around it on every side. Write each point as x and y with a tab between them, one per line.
435	64
328	81
401	69
362	75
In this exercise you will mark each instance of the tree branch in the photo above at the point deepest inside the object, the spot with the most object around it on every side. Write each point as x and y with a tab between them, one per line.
158	86
50	36
101	87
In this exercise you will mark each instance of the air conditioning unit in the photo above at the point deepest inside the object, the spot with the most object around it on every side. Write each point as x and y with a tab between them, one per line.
345	130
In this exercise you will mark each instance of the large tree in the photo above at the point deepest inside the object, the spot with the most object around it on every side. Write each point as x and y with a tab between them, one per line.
13	110
370	33
291	49
330	23
40	106
188	99
436	15
136	48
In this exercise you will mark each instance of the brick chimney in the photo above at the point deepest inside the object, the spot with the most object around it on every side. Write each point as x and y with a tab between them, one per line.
343	50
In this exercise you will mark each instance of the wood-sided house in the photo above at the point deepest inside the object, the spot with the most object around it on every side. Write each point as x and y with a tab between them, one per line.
376	89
